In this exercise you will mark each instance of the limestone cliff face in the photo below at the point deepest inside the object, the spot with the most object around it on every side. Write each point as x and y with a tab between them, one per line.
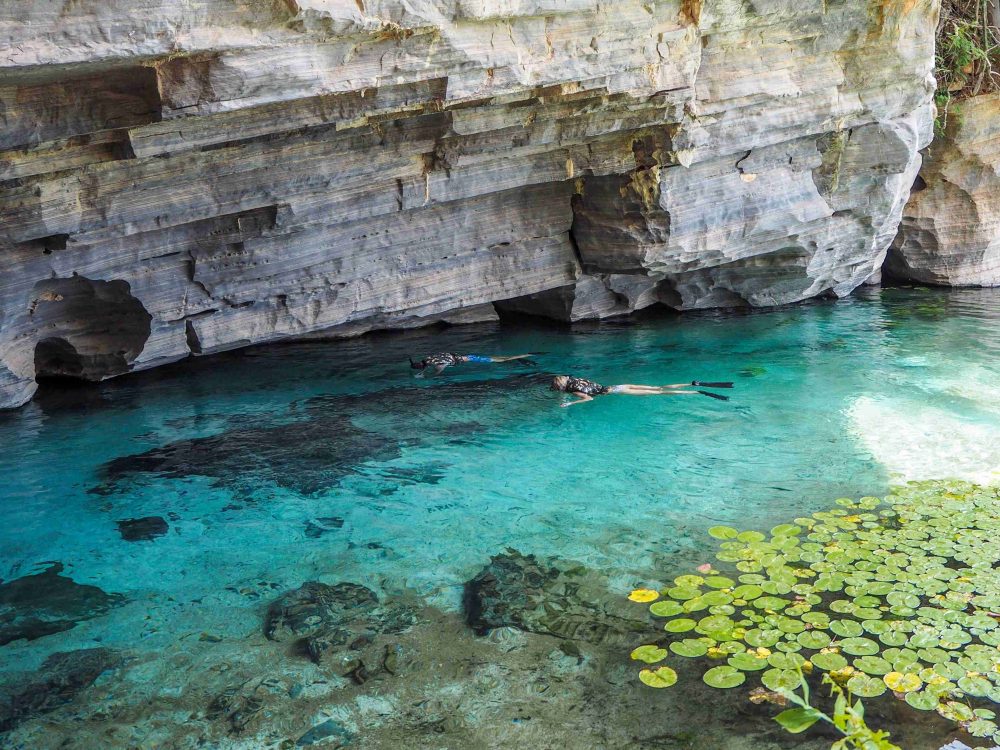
950	233
182	178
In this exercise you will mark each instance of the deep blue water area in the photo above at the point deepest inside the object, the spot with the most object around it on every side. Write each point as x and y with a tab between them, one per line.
162	506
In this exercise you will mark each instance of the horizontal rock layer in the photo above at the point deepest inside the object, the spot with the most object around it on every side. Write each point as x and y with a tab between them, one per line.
179	179
950	233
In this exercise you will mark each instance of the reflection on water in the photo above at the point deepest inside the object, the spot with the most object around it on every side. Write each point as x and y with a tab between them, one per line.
190	498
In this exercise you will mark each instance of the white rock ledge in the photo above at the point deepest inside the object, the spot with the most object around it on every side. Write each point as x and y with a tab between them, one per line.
239	172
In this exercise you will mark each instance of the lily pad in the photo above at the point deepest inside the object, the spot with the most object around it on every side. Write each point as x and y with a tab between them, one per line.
661	677
747	662
829	661
689	647
724	677
865	687
898	682
666	608
680	625
781	679
859	646
649	654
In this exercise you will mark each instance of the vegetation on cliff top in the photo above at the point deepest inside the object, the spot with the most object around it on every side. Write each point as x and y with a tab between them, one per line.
968	52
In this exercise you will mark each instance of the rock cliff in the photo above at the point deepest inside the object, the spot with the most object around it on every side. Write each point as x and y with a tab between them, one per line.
950	233
181	178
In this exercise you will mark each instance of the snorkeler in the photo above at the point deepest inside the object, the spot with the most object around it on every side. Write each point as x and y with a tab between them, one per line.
446	359
585	390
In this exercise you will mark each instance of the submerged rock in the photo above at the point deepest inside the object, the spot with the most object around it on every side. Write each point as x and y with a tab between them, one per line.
142	529
62	676
564	600
340	624
37	605
324	731
323	444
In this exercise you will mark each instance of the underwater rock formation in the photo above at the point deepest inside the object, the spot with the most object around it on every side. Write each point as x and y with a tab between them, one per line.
247	172
44	603
144	529
950	233
560	599
340	623
62	676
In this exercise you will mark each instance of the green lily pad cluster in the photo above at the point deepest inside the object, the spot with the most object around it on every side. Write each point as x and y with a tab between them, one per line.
899	595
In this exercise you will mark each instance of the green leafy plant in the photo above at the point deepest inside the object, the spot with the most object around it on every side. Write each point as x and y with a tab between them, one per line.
967	62
848	718
897	596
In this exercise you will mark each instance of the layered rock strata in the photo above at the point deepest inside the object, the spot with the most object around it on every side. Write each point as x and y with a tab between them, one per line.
950	233
179	179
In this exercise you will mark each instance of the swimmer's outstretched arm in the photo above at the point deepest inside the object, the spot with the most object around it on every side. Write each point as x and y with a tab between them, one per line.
582	399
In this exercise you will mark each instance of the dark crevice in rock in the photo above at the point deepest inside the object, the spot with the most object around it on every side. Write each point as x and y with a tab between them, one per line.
94	329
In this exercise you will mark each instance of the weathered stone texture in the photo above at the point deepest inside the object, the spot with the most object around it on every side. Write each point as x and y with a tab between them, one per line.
231	173
950	233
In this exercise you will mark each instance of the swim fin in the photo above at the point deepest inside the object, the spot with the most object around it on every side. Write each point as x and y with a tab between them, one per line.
703	384
714	395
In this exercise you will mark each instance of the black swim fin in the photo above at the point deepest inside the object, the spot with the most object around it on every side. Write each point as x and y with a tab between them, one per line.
703	384
714	395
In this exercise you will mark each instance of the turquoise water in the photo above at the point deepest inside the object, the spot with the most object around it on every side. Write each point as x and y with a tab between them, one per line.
328	461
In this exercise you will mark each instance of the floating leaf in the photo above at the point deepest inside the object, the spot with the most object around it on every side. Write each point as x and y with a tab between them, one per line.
747	662
649	654
690	647
865	687
813	639
873	665
829	661
680	625
898	682
723	532
719	582
724	677
922	700
661	677
666	608
781	679
644	595
859	646
846	628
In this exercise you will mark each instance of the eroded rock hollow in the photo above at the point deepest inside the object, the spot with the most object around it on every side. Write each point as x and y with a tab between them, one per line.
241	172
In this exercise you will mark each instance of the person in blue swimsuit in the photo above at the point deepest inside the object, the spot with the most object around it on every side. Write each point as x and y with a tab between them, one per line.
444	360
585	390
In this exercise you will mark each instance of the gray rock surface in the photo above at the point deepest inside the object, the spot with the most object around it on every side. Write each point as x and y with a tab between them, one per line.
179	179
950	233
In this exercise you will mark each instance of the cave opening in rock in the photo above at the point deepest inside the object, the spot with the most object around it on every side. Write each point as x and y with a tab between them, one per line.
88	329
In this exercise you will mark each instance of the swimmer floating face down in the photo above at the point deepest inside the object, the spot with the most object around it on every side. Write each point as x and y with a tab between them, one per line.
442	360
585	390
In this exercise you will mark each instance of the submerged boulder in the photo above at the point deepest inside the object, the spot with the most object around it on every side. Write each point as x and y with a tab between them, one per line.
549	597
340	624
62	676
37	605
144	529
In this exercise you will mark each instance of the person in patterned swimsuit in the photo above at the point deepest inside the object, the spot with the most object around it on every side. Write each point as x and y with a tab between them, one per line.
443	360
585	390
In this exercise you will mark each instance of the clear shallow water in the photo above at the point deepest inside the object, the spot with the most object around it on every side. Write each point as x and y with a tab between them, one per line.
329	461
